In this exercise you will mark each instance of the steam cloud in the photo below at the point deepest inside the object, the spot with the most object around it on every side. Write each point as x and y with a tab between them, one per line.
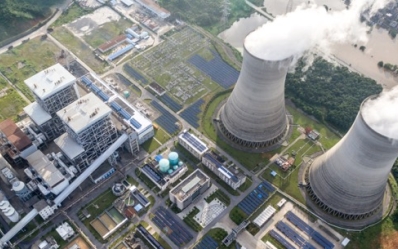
305	28
382	113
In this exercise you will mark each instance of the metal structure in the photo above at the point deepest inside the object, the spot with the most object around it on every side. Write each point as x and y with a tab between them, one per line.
88	123
349	181
53	88
254	116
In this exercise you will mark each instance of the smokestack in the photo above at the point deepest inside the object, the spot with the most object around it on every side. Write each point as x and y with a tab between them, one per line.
349	181
254	116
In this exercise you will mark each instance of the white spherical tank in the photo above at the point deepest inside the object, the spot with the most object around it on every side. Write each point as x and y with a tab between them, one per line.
254	116
9	211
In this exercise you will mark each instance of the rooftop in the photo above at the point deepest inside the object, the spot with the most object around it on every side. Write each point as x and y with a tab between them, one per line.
163	13
222	169
37	113
84	112
190	184
50	81
45	168
40	205
68	146
194	142
107	45
15	135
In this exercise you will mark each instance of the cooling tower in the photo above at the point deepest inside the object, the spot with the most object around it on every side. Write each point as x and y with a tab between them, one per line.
254	115
349	181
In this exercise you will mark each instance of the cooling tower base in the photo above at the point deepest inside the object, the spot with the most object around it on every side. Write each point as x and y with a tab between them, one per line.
336	218
250	146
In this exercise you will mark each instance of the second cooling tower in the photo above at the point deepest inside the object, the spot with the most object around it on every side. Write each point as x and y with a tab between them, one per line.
349	181
254	116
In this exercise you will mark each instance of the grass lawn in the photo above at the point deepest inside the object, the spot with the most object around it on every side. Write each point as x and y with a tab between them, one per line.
150	145
191	222
3	83
245	185
79	48
237	215
132	181
11	105
144	179
100	204
219	195
107	32
161	135
218	234
23	61
72	13
161	241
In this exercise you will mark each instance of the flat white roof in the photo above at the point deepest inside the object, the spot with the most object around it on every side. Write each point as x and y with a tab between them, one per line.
84	112
50	81
191	184
37	113
264	216
45	168
68	146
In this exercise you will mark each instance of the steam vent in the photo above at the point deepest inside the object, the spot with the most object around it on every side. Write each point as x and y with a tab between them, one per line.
349	181
254	116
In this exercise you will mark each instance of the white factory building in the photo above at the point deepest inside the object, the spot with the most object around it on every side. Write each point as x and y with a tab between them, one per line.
233	179
192	144
65	231
43	209
189	189
53	88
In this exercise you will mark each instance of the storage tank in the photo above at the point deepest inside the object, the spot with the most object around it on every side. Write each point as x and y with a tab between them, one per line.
254	116
180	163
21	190
175	167
164	165
9	211
170	171
126	94
173	158
349	181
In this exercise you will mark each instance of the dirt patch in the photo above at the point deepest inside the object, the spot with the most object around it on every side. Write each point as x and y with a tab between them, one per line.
80	242
389	241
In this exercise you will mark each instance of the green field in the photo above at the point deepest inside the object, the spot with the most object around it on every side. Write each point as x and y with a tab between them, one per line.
23	61
3	83
107	32
219	195
79	48
72	13
191	222
11	105
150	145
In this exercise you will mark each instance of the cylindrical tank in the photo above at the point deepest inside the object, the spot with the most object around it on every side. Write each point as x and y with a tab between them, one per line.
170	171
175	167
4	205
349	180
9	211
21	190
254	116
180	163
173	158
126	94
164	165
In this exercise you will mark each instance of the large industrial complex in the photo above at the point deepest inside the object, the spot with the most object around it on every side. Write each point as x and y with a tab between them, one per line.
145	131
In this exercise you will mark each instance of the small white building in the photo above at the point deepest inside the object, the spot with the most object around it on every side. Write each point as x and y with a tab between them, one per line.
192	144
44	209
65	231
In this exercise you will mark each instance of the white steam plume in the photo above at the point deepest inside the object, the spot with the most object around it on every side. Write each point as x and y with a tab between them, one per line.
382	113
305	28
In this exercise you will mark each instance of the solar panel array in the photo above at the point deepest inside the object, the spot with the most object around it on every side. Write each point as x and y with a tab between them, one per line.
317	237
293	235
120	52
194	141
256	198
155	176
191	113
170	102
149	237
175	230
281	240
207	243
166	120
217	69
94	88
133	73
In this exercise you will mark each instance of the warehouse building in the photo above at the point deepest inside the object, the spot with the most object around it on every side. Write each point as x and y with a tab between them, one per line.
189	189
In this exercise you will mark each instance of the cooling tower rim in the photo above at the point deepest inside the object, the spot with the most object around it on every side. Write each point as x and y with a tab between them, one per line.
289	58
371	97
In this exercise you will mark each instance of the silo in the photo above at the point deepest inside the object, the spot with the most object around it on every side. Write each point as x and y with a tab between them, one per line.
349	181
164	165
254	116
21	190
173	158
9	211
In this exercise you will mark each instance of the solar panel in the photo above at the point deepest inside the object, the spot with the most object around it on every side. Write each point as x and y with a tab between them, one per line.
94	88
103	95
281	240
135	123
115	106
86	81
194	142
133	73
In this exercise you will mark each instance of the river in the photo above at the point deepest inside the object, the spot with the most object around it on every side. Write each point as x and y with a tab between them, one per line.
380	46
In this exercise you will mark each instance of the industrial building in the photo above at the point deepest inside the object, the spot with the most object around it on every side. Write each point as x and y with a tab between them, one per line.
43	209
65	231
189	189
264	216
233	179
14	143
254	116
349	181
192	144
53	88
9	211
89	130
154	8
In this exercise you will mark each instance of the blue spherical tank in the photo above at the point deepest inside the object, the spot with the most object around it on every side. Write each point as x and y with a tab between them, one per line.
175	167
164	165
170	171
180	163
173	158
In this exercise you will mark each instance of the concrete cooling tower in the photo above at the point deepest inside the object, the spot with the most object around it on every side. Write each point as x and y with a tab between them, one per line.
254	116
349	181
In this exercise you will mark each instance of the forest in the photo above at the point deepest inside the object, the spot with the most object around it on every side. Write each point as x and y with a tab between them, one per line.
16	16
332	94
